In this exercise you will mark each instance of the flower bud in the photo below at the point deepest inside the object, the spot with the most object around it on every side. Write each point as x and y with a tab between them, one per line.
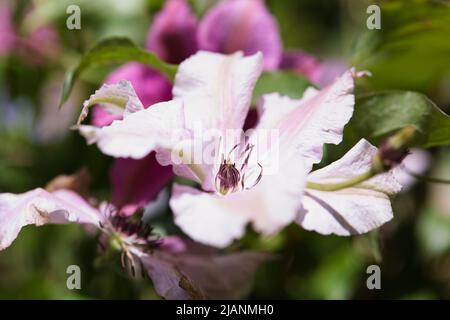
393	150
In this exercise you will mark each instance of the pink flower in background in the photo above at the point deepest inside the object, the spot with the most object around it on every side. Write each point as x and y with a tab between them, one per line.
41	45
320	73
300	62
37	46
246	26
214	91
417	162
179	269
7	33
175	34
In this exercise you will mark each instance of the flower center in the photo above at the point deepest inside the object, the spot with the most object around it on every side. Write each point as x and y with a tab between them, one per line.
129	235
134	232
227	178
230	179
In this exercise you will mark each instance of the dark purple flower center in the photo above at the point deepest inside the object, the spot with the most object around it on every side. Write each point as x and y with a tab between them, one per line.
228	178
128	234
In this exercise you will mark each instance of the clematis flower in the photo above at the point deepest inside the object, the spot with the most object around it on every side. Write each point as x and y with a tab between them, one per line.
176	34
179	269
240	185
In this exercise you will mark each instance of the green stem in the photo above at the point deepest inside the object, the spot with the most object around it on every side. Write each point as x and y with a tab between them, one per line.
342	185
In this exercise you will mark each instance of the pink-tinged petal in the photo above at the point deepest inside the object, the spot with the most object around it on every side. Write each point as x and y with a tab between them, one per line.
40	207
217	89
353	210
203	276
272	109
318	119
218	220
241	25
139	133
117	99
7	33
302	63
418	161
150	87
173	33
137	182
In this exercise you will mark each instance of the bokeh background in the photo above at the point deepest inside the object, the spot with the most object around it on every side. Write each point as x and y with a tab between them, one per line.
411	52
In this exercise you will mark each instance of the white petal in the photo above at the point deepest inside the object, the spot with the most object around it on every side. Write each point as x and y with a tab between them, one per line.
272	108
208	218
276	199
217	220
318	118
217	89
119	98
344	212
40	207
139	133
189	165
354	210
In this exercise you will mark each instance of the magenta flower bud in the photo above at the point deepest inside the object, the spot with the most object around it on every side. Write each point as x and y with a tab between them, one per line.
241	25
173	33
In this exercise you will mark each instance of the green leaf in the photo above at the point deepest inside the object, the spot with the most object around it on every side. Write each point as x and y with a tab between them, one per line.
286	83
380	114
113	51
411	50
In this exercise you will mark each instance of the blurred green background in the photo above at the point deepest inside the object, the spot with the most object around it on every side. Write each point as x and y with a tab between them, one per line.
411	51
